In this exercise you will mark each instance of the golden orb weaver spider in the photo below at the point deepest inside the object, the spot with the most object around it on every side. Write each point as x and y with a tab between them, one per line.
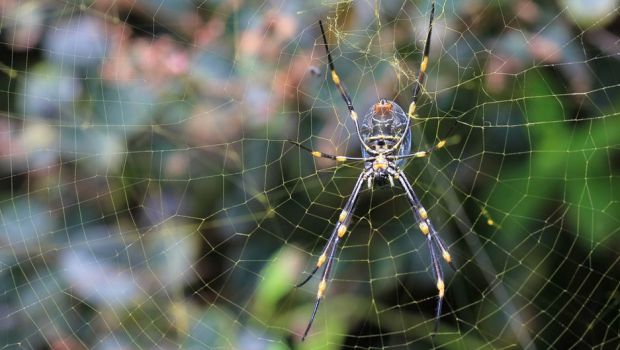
385	137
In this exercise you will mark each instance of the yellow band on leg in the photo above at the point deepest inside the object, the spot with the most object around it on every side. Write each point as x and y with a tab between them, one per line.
424	64
342	230
335	78
446	256
441	288
322	287
424	228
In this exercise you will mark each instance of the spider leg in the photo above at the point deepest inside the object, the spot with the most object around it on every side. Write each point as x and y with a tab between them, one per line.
427	228
322	286
437	271
442	248
327	257
318	154
343	91
420	154
423	65
421	75
422	216
323	256
319	263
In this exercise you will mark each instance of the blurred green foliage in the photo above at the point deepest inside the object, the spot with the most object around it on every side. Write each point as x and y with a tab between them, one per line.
149	199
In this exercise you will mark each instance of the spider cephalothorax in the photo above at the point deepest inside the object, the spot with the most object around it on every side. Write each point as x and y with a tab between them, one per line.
385	137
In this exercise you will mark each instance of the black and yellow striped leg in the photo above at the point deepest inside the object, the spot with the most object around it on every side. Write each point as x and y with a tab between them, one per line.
442	247
438	273
318	154
319	263
420	154
423	65
422	216
343	91
427	228
322	286
327	256
421	75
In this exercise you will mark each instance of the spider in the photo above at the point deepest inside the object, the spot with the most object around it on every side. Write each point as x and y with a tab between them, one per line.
385	136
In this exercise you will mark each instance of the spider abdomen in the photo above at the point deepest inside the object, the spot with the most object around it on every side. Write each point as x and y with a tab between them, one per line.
382	128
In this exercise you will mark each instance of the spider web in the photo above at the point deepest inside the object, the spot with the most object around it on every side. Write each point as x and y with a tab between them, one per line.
149	198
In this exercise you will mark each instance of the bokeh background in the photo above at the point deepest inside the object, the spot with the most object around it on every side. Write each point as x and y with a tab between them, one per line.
149	199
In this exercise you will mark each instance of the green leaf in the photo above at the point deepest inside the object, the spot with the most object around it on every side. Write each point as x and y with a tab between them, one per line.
278	278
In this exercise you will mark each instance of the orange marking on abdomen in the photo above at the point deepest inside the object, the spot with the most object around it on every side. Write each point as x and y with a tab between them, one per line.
382	108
